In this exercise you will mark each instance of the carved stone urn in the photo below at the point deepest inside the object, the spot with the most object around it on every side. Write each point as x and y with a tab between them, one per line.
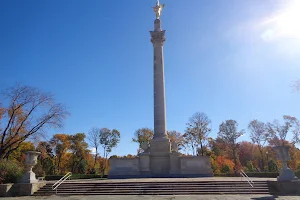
174	147
145	147
285	174
30	162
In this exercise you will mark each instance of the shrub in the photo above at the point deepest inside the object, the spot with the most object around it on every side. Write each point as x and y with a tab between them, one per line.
263	174
225	169
10	171
74	176
251	174
297	173
224	175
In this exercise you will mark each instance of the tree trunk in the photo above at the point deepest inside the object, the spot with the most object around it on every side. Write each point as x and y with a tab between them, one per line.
193	148
73	165
201	146
95	157
262	158
235	159
104	164
58	164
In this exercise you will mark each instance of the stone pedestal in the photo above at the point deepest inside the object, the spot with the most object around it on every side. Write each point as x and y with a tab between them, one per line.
174	163
144	162
30	162
160	149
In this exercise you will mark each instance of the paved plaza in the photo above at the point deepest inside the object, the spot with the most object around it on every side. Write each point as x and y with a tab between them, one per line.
134	197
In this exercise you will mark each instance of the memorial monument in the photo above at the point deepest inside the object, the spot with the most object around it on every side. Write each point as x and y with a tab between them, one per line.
160	158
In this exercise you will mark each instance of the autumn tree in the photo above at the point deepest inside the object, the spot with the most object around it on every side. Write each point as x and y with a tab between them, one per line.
228	131
79	150
29	112
108	140
60	143
142	135
259	135
246	152
94	139
177	137
224	164
190	142
218	146
278	132
295	125
46	158
18	154
198	128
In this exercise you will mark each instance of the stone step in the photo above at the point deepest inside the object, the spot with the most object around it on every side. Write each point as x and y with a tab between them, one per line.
131	185
162	188
171	187
156	193
136	188
156	188
155	183
145	185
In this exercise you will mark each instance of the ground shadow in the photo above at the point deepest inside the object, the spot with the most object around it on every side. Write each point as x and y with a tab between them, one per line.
265	198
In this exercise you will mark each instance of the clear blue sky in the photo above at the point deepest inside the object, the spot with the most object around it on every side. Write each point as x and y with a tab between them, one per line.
231	59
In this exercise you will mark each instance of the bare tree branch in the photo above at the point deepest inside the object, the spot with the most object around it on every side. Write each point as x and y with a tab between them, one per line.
31	111
198	128
94	139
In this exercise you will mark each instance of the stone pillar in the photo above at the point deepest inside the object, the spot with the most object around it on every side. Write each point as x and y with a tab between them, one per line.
144	163
158	39
160	147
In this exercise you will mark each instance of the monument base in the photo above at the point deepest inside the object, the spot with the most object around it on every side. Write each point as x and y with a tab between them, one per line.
284	187
28	177
286	175
160	149
20	189
179	167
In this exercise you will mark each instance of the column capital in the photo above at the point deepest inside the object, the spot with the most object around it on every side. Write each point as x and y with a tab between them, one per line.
158	37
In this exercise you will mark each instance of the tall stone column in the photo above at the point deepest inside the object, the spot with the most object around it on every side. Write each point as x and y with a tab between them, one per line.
160	147
158	39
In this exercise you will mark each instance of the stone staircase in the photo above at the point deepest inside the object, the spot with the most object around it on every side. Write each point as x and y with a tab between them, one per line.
155	188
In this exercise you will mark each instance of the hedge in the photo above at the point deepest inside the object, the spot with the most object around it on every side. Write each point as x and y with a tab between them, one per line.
10	171
252	174
74	176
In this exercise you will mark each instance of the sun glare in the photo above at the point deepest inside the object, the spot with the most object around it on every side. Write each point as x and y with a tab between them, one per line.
286	23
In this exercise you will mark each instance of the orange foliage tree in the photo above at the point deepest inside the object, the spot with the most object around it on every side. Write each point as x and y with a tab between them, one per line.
30	111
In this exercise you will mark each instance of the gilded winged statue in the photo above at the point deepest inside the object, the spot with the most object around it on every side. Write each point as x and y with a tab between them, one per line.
158	8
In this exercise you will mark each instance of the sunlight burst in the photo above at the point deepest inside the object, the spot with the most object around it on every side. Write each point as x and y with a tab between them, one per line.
285	23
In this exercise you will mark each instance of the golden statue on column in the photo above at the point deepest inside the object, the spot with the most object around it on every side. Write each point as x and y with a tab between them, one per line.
158	8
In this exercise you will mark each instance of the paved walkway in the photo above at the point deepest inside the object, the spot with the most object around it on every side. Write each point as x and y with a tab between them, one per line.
190	197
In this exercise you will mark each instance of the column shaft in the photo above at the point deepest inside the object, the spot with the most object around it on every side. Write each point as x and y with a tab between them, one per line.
159	93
